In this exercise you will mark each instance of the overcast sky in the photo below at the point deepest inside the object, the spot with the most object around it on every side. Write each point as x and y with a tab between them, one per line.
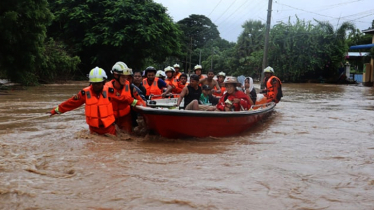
229	15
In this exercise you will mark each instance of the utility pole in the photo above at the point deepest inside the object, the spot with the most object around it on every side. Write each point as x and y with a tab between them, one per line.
265	58
190	54
200	58
186	70
211	60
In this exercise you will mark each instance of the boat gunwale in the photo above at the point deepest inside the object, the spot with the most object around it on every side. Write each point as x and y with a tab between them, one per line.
193	113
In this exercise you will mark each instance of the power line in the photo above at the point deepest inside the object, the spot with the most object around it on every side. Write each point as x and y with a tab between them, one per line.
228	29
362	17
241	6
214	8
225	11
345	17
258	8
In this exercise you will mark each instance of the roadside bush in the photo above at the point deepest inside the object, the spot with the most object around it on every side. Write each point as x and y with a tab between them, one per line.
58	64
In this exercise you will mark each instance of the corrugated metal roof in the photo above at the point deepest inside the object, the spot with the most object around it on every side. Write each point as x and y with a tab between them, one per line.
363	46
368	31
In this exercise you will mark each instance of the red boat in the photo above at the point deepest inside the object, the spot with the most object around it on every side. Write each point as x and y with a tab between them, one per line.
175	123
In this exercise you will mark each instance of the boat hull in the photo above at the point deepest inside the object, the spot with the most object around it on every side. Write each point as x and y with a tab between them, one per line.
181	123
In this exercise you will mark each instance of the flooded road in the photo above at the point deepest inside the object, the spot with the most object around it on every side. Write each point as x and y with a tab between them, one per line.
315	151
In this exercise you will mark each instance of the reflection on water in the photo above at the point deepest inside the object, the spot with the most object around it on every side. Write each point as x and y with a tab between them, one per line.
315	151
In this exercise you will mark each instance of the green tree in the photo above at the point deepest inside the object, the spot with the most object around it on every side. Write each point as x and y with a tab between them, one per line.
102	32
302	51
334	45
199	29
23	30
356	37
292	49
58	65
249	49
218	52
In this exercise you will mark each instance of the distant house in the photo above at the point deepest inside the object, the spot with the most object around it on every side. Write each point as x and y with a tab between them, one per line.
368	75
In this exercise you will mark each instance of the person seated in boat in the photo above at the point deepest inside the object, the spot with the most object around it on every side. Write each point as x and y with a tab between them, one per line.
177	72
170	80
213	84
191	94
182	81
250	90
198	69
273	86
206	97
207	101
240	101
220	79
153	85
98	98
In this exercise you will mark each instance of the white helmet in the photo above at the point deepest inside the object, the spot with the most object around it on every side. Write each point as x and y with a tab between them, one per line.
221	74
97	75
127	71
119	68
176	65
160	73
269	70
198	67
169	68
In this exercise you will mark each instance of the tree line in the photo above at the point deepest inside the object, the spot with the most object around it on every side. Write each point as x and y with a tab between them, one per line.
47	41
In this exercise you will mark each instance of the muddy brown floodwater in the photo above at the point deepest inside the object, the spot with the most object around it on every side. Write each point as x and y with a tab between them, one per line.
315	151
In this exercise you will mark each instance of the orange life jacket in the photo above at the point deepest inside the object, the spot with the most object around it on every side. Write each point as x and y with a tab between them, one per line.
270	90
99	111
202	76
152	89
223	89
177	75
173	82
182	86
120	109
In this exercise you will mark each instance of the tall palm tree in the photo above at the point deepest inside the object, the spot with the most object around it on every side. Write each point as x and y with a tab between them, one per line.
340	33
251	39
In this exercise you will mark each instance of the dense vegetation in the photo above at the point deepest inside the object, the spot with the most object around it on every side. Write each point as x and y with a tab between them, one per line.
47	41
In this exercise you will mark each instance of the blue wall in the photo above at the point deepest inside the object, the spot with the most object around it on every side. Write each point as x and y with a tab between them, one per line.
357	78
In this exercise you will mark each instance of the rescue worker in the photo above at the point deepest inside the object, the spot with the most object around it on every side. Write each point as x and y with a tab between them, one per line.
154	85
198	69
273	86
233	99
121	87
99	109
161	74
220	79
191	94
170	80
177	73
213	84
135	93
